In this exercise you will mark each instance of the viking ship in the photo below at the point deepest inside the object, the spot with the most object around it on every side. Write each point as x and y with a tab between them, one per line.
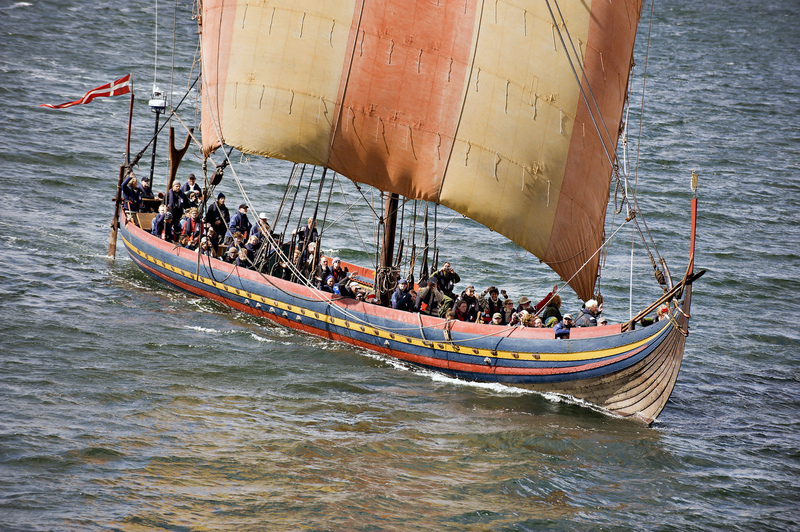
507	112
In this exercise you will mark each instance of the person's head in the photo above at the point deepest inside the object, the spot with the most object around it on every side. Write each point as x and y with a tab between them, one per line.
497	318
556	301
360	295
243	208
162	209
591	305
238	237
263	218
336	262
146	181
221	198
447	267
470	290
204	242
252	240
297	253
193	213
402	283
176	185
537	322
663	309
525	303
133	182
312	246
323	262
494	292
433	281
462	306
191	179
603	322
211	232
330	280
508	304
231	252
168	215
567	319
242	253
312	222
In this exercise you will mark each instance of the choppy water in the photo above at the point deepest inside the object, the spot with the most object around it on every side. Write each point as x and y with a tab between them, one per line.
127	406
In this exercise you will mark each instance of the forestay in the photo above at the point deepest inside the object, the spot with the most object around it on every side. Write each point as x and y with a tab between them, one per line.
472	104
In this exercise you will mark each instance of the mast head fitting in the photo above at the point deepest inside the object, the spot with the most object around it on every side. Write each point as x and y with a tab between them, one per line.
157	101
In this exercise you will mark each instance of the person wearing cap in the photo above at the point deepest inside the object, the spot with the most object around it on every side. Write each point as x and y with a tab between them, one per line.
261	228
147	191
429	299
191	186
525	304
589	313
348	287
497	318
237	243
163	227
401	299
239	222
218	216
562	327
338	272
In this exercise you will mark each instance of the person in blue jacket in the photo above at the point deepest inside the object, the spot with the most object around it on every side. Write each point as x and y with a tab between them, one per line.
240	223
562	327
163	227
401	299
132	194
176	203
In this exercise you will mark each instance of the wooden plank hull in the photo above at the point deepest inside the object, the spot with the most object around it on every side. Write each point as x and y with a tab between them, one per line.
631	373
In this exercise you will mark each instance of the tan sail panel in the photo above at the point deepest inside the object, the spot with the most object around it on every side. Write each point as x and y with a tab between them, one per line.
468	103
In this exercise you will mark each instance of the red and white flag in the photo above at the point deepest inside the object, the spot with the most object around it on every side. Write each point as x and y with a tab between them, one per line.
115	88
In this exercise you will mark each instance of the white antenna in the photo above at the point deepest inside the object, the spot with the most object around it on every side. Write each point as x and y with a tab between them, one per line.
155	59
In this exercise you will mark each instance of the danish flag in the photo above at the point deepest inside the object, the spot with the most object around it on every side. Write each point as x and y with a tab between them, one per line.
115	88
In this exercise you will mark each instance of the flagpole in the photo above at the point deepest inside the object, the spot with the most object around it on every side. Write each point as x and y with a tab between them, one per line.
128	144
112	242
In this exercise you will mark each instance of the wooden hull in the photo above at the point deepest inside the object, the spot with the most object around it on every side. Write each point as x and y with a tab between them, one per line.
631	374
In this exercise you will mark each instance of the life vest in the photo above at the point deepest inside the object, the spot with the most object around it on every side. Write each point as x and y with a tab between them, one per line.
193	230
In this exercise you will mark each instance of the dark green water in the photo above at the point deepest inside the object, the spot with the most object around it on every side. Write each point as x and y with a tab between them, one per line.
128	406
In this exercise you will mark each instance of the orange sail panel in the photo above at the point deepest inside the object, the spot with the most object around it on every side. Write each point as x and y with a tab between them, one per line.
468	103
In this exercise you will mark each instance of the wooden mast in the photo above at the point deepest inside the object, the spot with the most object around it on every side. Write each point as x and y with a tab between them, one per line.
387	250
